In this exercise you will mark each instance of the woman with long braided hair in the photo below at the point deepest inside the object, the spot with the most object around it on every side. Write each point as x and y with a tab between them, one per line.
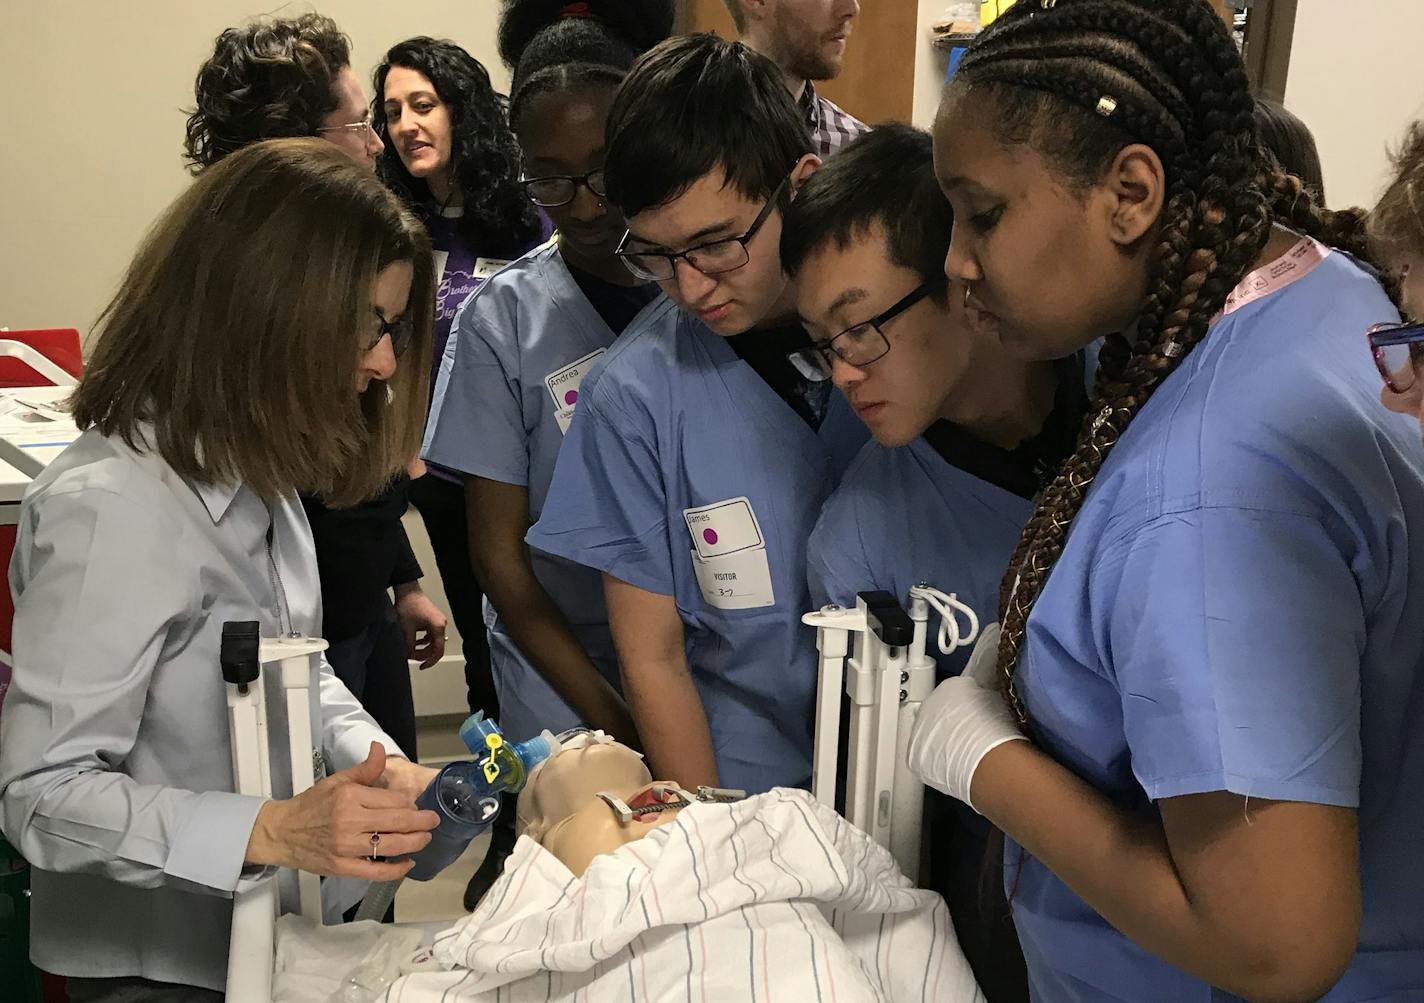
1198	726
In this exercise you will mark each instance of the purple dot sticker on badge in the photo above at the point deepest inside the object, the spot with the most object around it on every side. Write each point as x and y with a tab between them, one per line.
710	535
571	398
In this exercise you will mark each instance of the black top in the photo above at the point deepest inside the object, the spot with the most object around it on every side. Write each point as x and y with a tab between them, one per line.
360	552
616	304
768	351
1027	468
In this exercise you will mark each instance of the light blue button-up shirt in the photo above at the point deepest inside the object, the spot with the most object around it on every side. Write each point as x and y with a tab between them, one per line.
114	754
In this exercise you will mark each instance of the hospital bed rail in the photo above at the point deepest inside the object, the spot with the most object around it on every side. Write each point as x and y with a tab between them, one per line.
245	658
876	655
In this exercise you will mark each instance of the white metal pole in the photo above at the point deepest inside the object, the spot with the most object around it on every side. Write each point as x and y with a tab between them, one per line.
251	947
887	721
247	738
863	670
834	626
296	658
907	826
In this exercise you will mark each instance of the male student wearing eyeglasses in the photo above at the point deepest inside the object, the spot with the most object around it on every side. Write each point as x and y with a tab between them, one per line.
965	435
700	453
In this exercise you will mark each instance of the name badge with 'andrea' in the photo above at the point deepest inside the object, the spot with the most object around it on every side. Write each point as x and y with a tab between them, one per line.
564	388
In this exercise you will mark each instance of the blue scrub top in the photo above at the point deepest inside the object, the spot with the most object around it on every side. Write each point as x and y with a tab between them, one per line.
904	516
508	384
1238	607
682	461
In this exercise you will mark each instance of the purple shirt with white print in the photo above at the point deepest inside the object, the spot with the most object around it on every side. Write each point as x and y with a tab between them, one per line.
462	268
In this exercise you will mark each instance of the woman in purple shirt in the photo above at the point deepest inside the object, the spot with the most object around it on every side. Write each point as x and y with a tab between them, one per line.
449	153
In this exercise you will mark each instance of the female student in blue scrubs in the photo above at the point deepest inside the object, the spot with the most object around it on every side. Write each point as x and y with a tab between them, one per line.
511	374
966	433
523	344
1213	627
699	455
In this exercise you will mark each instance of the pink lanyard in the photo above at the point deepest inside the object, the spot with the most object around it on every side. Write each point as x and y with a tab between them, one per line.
1274	276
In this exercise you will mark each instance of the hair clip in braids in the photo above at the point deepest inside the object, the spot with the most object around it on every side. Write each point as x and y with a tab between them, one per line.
1047	4
1173	349
1106	106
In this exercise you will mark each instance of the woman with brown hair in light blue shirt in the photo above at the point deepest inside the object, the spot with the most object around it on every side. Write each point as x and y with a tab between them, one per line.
224	382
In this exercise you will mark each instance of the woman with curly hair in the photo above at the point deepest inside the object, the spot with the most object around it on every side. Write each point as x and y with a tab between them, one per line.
1198	722
451	156
277	77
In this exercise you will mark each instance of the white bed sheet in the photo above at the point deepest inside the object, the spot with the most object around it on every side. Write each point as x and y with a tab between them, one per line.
313	960
775	898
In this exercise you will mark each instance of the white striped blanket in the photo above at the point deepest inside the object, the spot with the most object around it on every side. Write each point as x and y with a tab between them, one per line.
773	899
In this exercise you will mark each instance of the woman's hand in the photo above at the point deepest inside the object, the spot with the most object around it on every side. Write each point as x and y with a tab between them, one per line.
422	623
405	777
328	829
964	719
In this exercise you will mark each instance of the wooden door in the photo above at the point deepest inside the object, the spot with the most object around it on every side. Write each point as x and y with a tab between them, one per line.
877	79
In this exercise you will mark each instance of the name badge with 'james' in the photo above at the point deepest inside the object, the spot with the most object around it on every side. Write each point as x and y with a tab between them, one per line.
564	387
729	555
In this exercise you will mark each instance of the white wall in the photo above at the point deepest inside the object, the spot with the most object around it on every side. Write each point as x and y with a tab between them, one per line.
930	65
93	144
94	125
1355	80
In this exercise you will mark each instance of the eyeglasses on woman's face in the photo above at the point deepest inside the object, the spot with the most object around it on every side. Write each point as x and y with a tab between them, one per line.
554	190
401	332
359	130
1398	351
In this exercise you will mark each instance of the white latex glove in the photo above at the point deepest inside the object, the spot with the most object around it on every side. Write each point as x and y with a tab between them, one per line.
964	719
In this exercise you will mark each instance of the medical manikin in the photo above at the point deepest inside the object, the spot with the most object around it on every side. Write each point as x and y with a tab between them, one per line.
623	888
598	796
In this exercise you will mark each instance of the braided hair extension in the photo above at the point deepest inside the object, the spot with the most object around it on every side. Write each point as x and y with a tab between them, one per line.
1078	80
553	45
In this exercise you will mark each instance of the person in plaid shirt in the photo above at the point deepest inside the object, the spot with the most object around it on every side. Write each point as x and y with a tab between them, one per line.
806	39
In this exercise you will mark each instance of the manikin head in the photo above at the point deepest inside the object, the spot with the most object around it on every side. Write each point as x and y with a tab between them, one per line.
560	807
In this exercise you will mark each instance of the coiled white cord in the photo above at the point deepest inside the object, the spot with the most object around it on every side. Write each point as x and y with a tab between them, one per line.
946	604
